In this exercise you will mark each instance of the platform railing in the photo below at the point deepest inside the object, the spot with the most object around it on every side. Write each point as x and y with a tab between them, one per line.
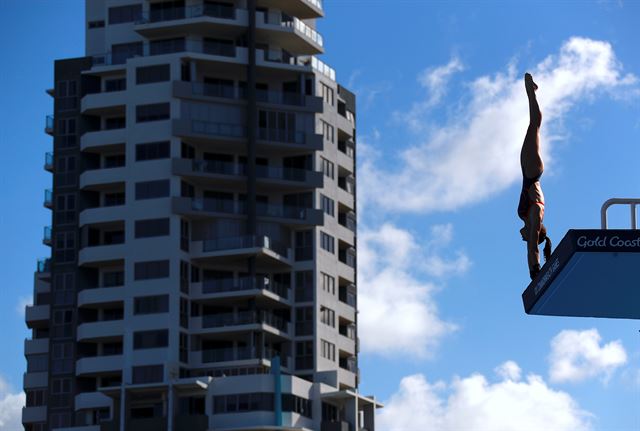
632	202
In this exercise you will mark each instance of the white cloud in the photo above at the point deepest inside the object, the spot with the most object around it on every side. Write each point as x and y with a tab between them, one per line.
509	371
23	301
398	315
435	81
476	154
578	355
10	407
475	404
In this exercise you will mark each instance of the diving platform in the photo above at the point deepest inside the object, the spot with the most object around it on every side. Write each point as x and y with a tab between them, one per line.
591	273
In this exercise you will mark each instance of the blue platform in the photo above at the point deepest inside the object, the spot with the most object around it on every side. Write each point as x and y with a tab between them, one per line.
591	273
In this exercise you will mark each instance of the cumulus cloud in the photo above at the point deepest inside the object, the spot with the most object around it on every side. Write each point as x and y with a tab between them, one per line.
577	355
398	313
10	407
475	404
22	303
476	154
435	81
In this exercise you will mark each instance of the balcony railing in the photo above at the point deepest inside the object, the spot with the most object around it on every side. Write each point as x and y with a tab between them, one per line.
46	238
218	129
241	242
244	283
316	3
347	147
48	198
240	353
221	320
48	124
305	30
281	135
43	265
240	169
48	161
195	11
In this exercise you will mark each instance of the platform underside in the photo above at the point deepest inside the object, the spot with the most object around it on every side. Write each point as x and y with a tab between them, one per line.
592	273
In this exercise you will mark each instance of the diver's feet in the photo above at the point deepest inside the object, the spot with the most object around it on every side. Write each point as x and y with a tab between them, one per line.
528	82
533	272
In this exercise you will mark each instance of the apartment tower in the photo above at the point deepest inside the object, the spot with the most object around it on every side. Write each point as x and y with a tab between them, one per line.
203	265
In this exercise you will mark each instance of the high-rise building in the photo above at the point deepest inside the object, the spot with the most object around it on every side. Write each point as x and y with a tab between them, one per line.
203	265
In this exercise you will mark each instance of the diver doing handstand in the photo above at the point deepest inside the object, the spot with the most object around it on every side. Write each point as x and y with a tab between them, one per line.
531	205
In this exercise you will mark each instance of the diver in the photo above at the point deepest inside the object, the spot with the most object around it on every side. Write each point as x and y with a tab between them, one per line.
531	205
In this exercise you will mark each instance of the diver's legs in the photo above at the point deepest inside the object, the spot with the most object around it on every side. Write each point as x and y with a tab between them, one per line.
530	158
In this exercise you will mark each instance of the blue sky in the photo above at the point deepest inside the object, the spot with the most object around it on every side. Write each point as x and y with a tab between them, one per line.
440	111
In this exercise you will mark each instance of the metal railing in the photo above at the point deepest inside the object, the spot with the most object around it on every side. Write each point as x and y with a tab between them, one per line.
195	11
43	265
218	129
47	235
632	202
303	28
48	198
241	242
48	123
48	161
281	135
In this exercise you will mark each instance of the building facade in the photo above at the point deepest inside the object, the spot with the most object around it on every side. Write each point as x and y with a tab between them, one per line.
203	265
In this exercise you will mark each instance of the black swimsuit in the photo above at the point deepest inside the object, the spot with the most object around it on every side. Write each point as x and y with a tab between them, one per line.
525	201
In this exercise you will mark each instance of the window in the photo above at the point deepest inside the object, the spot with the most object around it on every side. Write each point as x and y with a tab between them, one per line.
184	352
184	235
152	112
113	279
62	358
65	209
184	313
118	84
62	323
184	277
328	131
328	205
304	286
221	47
150	339
166	46
304	321
61	391
95	24
65	172
151	304
37	363
304	355
328	350
114	161
327	242
66	133
328	168
304	245
113	199
64	288
151	74
152	189
262	401
67	89
121	52
112	123
328	283
278	127
328	316
148	374
152	227
152	151
327	94
36	397
293	403
151	270
122	14
65	247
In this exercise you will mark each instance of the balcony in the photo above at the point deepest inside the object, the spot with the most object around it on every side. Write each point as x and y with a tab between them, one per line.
102	177
241	285
35	380
46	237
99	364
199	18
48	162
37	346
37	315
48	199
206	91
234	321
292	35
107	253
104	103
231	354
304	9
102	330
92	400
48	125
103	139
103	214
34	414
102	295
